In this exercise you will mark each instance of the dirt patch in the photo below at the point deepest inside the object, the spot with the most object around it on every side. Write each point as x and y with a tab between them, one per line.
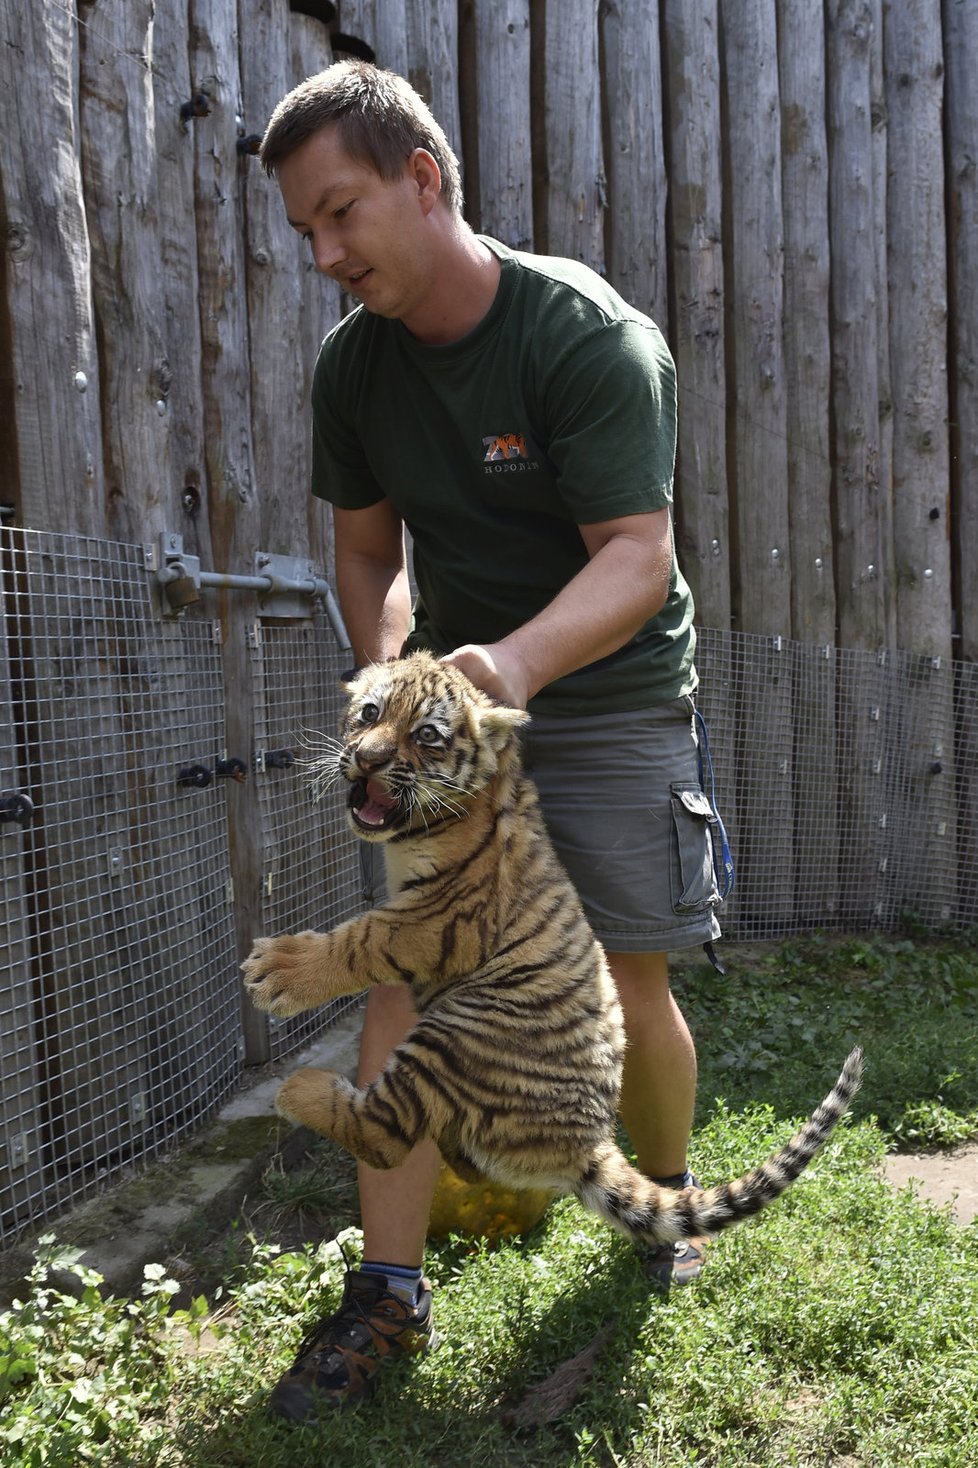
944	1177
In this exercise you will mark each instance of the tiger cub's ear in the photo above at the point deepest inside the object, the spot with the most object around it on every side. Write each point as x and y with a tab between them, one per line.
498	724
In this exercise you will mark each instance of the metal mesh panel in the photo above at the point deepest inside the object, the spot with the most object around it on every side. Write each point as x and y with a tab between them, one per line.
311	871
119	997
847	782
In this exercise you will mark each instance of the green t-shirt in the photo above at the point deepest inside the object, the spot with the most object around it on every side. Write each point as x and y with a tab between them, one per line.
557	410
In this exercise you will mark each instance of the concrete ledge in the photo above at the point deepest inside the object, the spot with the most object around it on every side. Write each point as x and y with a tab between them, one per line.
193	1191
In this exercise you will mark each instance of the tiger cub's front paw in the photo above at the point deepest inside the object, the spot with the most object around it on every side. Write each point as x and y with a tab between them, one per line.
282	975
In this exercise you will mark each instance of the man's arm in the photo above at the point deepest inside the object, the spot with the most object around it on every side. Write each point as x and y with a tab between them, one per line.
625	581
372	581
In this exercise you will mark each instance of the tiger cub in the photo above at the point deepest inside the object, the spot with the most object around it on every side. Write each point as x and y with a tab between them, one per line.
514	1065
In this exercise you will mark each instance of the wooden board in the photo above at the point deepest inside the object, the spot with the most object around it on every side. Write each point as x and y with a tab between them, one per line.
49	368
757	426
574	187
499	173
807	347
961	122
635	159
864	556
697	304
916	230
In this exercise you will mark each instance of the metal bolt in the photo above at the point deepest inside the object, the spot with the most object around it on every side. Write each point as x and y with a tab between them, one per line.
81	382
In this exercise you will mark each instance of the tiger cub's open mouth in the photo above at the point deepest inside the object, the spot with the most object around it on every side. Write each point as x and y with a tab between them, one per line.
372	805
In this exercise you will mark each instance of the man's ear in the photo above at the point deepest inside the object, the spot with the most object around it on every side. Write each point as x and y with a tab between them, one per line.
498	724
427	175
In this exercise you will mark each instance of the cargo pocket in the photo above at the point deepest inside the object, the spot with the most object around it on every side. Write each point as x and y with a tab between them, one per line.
691	869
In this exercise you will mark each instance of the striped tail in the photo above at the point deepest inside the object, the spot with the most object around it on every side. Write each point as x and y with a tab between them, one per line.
646	1213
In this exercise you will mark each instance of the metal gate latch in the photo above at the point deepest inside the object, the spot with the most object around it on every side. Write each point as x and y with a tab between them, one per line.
17	807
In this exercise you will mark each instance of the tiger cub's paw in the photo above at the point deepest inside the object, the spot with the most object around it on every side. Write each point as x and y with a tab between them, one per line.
281	974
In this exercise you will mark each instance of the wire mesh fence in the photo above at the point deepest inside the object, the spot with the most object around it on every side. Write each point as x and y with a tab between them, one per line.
848	782
311	871
119	1027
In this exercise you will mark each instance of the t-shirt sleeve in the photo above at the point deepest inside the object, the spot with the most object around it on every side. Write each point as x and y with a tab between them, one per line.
611	414
340	471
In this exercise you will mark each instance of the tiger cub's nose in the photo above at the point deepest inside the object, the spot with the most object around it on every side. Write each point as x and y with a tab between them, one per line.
372	757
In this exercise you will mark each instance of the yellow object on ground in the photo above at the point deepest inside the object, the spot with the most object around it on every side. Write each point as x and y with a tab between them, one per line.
484	1209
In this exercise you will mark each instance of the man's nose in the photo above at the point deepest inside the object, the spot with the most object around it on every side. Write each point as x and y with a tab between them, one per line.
327	253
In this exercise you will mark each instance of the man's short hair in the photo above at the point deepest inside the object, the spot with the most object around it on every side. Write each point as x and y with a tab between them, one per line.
381	119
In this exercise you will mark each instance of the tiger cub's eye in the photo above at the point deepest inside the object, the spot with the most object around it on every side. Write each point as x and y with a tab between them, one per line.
369	714
427	734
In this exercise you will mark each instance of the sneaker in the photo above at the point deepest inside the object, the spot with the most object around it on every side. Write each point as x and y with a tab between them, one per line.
337	1361
675	1264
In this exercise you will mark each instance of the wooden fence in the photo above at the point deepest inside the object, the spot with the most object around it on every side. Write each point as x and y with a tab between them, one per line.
788	187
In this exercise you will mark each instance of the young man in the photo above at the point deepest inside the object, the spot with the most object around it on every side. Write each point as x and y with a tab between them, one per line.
519	418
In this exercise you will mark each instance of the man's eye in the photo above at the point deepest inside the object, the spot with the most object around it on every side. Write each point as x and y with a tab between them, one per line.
343	210
427	734
369	713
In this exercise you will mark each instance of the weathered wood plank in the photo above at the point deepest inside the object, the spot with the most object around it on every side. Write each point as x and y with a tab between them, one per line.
234	511
432	51
755	253
961	123
697	295
573	186
279	405
49	372
804	176
635	161
863	555
383	25
322	305
916	231
499	177
176	244
121	190
758	436
884	386
807	351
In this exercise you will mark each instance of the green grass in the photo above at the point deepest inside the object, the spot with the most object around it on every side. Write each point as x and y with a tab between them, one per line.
836	1332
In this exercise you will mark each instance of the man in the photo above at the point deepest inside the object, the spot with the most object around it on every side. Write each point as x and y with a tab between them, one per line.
519	418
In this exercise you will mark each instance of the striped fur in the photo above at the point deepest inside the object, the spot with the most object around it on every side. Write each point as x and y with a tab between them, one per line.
514	1065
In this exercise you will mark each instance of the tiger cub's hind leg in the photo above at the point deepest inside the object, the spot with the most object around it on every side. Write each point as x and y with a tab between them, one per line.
379	1124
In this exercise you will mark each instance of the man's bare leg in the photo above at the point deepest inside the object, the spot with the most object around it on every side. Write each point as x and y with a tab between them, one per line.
394	1205
659	1083
658	1092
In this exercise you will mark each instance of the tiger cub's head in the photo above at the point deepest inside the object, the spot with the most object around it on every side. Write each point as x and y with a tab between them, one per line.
419	741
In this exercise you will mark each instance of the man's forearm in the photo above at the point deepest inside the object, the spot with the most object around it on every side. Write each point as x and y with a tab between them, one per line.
375	599
606	603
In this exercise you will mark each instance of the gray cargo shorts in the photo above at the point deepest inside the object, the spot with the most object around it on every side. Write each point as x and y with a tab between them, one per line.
623	803
622	800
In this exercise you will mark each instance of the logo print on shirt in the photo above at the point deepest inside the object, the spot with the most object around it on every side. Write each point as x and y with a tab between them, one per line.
504	446
506	451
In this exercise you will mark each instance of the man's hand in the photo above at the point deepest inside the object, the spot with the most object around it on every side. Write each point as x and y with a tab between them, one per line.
494	669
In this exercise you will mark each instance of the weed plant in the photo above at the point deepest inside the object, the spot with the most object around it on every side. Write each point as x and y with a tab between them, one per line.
837	1331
